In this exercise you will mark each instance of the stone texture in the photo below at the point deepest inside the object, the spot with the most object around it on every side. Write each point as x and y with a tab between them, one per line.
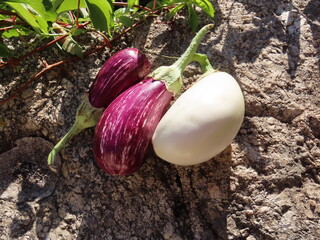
265	185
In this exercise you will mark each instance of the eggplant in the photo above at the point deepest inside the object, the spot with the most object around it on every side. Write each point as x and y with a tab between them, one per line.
124	69
121	71
125	129
202	122
126	126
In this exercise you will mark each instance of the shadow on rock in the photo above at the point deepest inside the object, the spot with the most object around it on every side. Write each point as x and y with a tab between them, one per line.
26	182
279	20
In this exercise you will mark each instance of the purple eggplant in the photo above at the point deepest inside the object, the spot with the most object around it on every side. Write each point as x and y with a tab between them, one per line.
125	128
124	69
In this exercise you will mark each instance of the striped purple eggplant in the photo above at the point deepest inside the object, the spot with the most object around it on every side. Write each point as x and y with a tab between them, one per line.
124	69
125	128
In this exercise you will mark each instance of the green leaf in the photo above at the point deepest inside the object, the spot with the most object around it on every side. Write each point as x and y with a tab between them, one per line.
47	4
205	5
72	47
101	14
130	3
10	33
78	31
68	5
4	50
176	9
16	31
42	23
119	12
20	1
193	18
32	20
41	7
56	4
36	9
169	2
126	21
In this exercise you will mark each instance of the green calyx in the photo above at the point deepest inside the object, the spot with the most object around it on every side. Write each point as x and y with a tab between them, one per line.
172	75
87	116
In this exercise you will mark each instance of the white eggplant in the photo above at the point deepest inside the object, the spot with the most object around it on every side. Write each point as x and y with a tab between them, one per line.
202	122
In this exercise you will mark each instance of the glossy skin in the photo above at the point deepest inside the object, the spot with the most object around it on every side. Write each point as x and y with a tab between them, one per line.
202	122
124	69
125	129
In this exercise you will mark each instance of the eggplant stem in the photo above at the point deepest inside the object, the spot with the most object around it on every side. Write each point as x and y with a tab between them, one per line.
87	116
74	130
172	75
184	60
204	62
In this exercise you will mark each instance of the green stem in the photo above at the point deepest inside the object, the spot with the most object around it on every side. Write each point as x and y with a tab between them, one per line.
87	116
204	62
74	130
172	75
184	60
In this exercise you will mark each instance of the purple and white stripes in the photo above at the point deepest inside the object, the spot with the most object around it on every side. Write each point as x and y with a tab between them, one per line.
124	69
126	127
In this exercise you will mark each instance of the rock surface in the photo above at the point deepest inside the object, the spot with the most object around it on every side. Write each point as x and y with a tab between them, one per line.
265	185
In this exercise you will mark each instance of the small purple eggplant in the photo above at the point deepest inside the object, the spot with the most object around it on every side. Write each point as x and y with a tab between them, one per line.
125	128
124	69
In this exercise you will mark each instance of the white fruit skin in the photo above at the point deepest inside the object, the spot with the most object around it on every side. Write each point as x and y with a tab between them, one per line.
202	122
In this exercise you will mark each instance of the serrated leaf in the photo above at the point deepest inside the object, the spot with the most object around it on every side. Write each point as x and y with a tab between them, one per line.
205	5
176	9
72	47
101	14
193	19
68	5
4	50
126	21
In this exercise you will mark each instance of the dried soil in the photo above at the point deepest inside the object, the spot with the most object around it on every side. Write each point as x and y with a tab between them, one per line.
265	185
